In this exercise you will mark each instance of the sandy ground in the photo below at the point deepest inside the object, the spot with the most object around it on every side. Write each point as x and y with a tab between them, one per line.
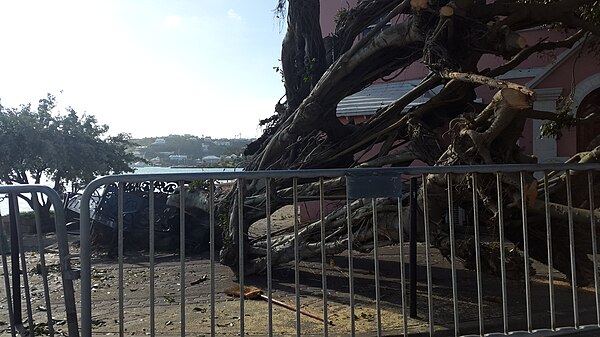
168	307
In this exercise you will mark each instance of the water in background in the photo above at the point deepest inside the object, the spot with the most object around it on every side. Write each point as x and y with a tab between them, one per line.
24	207
156	169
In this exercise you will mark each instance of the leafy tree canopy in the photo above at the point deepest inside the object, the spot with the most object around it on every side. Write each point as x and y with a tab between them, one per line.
69	149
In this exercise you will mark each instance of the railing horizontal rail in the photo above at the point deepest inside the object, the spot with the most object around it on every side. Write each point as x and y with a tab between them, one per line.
330	173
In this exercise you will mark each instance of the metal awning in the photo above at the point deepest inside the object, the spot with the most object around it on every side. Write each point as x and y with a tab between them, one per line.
375	96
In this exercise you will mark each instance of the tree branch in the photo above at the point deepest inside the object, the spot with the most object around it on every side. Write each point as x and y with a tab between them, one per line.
525	53
480	79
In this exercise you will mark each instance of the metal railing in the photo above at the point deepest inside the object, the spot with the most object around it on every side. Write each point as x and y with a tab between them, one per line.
473	251
52	308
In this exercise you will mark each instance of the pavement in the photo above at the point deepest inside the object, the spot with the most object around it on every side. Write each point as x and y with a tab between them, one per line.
228	318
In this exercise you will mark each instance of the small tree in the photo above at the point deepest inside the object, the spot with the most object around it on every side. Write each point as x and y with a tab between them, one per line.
67	149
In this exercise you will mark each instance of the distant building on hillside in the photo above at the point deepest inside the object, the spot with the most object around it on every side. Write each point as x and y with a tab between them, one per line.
178	157
155	161
211	160
136	153
223	142
158	141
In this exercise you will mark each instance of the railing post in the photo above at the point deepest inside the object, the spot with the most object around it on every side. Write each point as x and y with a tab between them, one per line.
413	247
15	265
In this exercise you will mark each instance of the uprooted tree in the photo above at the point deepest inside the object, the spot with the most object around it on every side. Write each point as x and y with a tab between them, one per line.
450	38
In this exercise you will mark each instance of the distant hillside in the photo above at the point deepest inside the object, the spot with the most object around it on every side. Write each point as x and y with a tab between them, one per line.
190	150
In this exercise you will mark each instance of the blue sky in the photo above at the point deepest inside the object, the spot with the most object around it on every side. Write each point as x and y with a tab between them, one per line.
146	67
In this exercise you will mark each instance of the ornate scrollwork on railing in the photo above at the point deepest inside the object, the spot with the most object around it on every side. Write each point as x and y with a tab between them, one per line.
166	187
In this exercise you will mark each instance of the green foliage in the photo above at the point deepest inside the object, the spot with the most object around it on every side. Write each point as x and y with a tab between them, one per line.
591	13
310	65
203	185
25	135
565	119
341	15
69	149
279	69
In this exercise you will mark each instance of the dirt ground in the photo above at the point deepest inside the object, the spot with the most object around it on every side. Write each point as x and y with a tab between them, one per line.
167	296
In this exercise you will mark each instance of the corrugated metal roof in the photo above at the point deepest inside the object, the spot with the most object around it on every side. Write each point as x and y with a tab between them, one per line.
375	96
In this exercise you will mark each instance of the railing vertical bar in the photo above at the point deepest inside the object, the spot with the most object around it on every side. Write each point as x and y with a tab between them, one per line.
85	227
572	250
23	265
502	255
412	248
594	244
376	263
211	207
427	255
182	225
17	213
550	257
44	268
323	257
152	258
477	254
525	250
453	254
65	257
269	253
15	265
120	258
5	272
350	260
296	256
402	269
241	250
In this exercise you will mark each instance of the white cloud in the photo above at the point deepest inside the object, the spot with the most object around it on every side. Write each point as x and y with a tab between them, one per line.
233	15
